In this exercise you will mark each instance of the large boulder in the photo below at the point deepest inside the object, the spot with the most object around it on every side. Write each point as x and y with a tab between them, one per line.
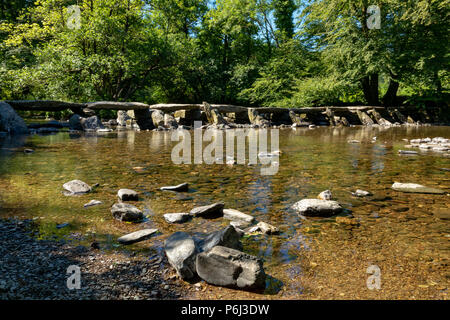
76	187
10	121
227	237
317	207
228	267
126	212
181	253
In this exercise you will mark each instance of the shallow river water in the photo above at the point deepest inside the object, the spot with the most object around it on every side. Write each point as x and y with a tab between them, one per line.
405	235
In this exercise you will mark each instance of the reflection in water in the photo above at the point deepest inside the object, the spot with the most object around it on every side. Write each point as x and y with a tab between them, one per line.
312	161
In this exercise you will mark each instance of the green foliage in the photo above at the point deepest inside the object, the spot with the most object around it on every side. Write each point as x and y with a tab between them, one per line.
253	52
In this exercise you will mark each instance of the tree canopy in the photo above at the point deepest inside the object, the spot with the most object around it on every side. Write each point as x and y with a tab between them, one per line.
283	53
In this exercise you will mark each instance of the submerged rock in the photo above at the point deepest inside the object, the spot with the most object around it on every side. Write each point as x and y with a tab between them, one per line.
228	267
181	253
181	187
177	217
137	236
126	212
128	195
325	195
317	207
415	188
211	211
361	193
76	187
236	215
264	228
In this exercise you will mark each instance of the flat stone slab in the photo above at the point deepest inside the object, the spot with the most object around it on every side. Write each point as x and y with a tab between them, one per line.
317	207
126	212
177	217
235	215
210	211
228	267
128	195
76	187
137	236
181	187
92	203
415	188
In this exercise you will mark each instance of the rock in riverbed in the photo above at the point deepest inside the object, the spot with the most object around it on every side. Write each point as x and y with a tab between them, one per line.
180	187
264	228
181	253
231	268
177	217
236	215
361	193
92	203
325	195
211	211
128	195
317	207
76	187
415	188
137	236
126	212
227	237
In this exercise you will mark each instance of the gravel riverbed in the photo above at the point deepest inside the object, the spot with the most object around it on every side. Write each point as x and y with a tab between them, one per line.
37	269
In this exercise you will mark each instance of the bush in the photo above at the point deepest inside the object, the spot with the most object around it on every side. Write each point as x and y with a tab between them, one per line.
321	91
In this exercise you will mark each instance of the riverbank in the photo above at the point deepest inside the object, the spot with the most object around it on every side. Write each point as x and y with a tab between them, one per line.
37	269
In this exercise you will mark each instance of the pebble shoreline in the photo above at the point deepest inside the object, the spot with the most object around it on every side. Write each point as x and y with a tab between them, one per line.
33	269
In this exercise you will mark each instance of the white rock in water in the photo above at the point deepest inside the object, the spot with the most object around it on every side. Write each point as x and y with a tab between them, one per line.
425	146
177	217
137	236
325	195
181	187
234	215
440	149
407	152
317	207
361	193
415	188
76	187
92	203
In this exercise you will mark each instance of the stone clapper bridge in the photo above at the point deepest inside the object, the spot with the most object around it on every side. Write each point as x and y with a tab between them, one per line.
144	116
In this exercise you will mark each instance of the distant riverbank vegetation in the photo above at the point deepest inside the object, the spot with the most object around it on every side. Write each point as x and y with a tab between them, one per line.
277	53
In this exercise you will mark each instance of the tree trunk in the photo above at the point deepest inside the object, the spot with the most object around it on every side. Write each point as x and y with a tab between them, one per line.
390	97
370	89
